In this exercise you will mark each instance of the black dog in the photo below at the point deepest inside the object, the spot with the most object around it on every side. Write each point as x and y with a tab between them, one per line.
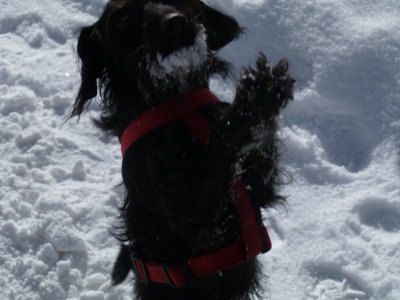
183	194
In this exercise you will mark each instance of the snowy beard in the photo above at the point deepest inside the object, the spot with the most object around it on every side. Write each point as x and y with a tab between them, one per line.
177	73
182	61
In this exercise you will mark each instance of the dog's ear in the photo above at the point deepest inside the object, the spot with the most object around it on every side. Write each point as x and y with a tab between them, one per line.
92	59
221	29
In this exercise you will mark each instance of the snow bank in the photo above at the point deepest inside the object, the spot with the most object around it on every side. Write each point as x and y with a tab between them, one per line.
339	238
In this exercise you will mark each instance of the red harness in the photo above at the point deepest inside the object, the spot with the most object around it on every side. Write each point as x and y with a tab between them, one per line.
254	239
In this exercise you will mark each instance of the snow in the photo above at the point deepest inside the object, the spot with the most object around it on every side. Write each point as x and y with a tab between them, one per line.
183	61
338	237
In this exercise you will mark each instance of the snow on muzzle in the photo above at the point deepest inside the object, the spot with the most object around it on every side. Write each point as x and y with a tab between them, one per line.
183	60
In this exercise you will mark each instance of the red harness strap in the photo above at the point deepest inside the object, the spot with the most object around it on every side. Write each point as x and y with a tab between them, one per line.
166	113
254	240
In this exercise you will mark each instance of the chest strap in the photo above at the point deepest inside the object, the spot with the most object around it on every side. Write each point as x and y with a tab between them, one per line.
177	109
254	238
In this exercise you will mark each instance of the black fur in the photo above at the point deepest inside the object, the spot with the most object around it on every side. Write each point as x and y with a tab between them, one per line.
178	193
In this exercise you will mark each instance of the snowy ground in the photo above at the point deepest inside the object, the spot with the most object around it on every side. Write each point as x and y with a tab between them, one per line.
339	237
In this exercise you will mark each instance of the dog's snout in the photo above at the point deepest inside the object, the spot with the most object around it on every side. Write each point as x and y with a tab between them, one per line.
175	24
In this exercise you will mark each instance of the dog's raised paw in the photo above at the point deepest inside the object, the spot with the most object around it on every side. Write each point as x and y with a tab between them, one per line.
283	81
272	88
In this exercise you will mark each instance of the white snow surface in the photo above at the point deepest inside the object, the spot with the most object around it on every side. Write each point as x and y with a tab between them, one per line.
339	236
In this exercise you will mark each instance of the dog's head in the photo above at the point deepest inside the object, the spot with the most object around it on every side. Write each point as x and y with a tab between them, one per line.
150	50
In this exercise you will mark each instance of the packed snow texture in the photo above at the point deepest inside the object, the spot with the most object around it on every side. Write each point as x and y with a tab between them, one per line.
338	238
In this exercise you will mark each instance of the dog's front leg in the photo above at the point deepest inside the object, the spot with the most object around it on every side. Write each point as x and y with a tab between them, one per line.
261	94
263	91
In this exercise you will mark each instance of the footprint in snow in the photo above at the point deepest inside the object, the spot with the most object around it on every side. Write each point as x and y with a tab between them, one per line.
329	289
331	282
379	213
33	28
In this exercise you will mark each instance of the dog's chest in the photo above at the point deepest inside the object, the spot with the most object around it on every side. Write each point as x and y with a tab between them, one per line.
162	171
163	160
168	160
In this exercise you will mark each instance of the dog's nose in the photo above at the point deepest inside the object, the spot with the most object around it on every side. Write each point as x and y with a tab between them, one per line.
175	24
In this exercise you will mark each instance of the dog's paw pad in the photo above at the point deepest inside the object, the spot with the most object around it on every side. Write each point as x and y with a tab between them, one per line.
269	87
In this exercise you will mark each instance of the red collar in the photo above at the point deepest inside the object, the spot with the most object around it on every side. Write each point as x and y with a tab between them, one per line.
254	239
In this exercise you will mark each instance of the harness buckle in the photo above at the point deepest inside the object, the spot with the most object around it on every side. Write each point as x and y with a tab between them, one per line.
178	275
140	269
